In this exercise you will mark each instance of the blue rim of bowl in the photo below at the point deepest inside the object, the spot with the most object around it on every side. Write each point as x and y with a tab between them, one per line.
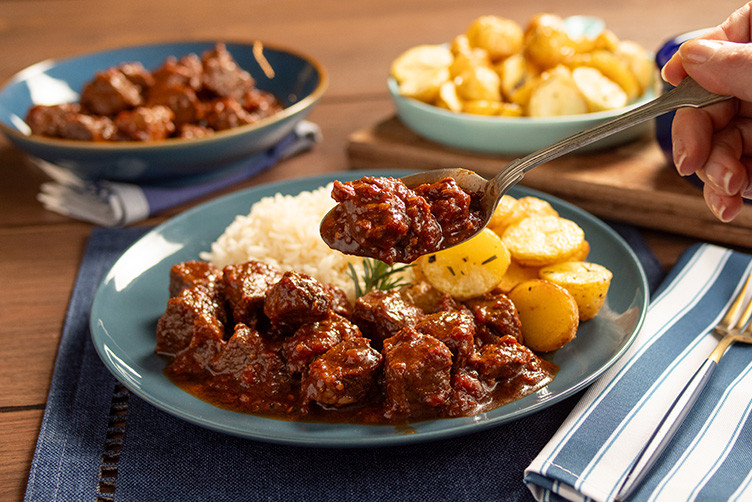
289	111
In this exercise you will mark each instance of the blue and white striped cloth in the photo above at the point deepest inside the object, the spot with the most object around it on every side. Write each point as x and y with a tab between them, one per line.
710	458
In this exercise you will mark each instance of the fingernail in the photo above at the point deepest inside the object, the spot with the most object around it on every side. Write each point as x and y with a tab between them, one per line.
727	182
717	205
679	153
699	51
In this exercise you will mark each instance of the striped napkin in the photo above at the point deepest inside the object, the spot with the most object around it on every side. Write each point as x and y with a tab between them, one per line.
710	458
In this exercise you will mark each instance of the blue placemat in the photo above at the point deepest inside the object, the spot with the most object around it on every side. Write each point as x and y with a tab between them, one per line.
99	442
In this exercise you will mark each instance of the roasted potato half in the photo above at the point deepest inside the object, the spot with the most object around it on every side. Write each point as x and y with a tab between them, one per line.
469	269
587	282
548	314
538	241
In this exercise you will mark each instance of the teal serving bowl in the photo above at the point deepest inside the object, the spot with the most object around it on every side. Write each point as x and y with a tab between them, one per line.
506	135
512	135
297	80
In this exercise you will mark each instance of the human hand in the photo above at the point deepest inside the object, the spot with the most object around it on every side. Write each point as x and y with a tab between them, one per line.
715	142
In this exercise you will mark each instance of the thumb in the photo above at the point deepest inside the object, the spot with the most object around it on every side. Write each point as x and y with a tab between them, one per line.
720	66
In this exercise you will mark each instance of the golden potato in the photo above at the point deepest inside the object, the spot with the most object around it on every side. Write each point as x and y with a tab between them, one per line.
514	72
556	94
479	83
587	282
613	67
425	86
547	43
606	40
419	59
492	108
638	61
516	274
503	209
519	209
581	253
467	61
548	314
498	36
469	269
447	97
499	69
421	70
482	107
460	44
600	92
538	241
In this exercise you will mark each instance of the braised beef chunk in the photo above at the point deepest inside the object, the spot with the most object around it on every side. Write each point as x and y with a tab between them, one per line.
189	273
417	373
144	123
502	360
260	104
190	97
109	93
451	206
68	122
194	131
89	128
245	287
253	361
344	375
253	339
340	303
496	316
49	120
380	218
207	340
314	339
186	71
137	74
186	107
175	327
296	299
222	75
381	314
469	394
429	299
225	113
456	328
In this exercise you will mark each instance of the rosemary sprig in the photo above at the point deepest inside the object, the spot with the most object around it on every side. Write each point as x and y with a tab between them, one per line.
376	275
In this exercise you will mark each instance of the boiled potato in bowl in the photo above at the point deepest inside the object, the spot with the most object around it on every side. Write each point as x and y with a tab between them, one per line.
497	67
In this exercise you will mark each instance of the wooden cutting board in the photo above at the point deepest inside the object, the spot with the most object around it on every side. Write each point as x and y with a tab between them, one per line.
631	183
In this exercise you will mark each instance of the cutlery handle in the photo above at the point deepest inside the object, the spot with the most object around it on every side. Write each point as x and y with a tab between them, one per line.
687	93
667	428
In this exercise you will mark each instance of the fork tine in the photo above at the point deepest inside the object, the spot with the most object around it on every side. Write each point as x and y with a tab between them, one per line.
728	319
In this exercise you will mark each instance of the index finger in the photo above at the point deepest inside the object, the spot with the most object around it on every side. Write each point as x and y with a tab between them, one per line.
736	28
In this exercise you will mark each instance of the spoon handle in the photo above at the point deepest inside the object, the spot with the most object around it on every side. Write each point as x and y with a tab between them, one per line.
687	93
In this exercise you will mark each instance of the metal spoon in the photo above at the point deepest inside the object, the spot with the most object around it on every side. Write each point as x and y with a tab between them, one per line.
489	192
687	93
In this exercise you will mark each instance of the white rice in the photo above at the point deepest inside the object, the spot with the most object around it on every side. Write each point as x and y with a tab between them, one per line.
283	230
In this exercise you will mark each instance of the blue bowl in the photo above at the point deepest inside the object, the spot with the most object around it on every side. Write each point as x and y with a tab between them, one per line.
298	81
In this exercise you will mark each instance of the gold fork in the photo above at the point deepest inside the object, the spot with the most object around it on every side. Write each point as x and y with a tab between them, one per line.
733	328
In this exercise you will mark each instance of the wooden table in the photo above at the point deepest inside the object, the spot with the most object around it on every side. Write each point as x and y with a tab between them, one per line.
40	251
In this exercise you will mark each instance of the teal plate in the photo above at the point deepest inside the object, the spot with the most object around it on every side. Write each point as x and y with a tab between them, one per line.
133	295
